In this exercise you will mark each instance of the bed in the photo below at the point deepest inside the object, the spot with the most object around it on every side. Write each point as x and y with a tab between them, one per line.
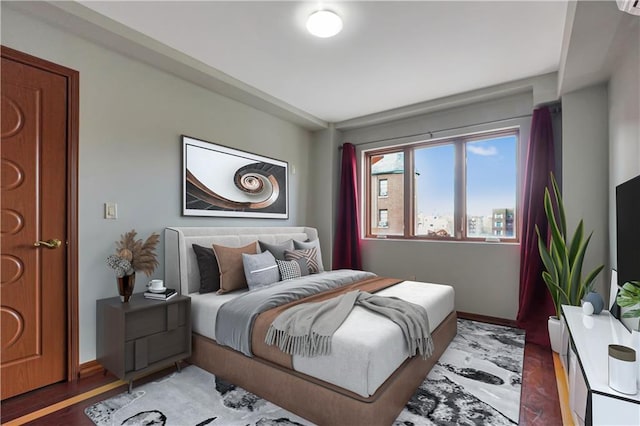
359	383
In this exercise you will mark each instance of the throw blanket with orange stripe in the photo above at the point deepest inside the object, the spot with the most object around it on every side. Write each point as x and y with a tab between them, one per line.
307	329
264	320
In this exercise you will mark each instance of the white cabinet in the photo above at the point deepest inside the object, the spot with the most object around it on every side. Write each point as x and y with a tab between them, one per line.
579	390
591	399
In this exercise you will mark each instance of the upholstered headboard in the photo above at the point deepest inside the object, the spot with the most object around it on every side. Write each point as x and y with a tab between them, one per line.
181	267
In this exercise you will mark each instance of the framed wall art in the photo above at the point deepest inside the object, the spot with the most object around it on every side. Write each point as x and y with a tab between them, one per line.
222	181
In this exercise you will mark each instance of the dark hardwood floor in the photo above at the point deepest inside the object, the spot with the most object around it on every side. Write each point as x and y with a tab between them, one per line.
539	404
23	405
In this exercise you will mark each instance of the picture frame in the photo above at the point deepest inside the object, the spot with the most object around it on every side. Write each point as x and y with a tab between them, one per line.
226	182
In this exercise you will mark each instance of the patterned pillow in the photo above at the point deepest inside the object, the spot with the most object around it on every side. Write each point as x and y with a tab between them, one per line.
300	245
309	255
277	250
289	269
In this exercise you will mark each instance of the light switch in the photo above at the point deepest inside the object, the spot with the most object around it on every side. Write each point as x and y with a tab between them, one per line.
110	210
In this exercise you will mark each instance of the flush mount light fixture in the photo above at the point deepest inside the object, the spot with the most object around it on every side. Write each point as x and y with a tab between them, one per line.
324	23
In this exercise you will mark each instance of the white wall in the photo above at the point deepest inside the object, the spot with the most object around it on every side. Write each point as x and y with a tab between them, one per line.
484	275
624	127
325	171
131	119
585	172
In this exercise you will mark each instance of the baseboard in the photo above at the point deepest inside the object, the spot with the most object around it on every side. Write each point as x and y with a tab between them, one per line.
89	369
487	319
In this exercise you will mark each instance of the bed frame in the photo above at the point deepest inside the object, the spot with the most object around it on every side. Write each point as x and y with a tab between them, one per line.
308	397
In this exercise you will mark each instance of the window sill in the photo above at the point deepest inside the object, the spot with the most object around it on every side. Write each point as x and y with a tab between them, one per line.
424	240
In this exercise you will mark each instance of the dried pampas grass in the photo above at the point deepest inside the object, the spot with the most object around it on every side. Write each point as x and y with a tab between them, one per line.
142	255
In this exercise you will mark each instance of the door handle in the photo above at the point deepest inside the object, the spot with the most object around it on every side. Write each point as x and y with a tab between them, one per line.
52	244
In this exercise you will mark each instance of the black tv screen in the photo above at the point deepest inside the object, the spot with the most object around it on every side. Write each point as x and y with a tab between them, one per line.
628	230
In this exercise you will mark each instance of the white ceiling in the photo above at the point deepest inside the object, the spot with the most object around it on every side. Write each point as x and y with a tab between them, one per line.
389	54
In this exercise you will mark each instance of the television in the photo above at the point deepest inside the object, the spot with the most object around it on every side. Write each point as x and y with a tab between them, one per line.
628	235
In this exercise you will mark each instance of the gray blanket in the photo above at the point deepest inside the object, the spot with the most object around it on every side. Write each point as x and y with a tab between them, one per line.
236	317
307	329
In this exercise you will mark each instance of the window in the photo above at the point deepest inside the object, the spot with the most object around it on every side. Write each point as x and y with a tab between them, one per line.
388	167
383	188
383	218
462	188
434	187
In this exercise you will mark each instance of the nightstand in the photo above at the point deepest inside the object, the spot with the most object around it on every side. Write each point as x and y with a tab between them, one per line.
143	335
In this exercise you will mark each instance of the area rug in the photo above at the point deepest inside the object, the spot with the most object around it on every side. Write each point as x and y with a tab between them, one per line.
476	381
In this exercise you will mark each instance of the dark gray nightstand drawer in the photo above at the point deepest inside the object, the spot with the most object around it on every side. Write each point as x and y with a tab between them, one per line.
164	317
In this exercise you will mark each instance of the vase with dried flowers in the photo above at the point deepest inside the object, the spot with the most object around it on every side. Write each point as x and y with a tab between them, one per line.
131	256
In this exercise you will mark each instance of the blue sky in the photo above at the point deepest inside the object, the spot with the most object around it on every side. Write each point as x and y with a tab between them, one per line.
491	176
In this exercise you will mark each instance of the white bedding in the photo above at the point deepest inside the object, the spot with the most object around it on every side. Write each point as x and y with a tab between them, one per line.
366	348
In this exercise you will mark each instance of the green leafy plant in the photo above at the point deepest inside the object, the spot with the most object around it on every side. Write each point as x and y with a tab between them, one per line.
628	296
564	257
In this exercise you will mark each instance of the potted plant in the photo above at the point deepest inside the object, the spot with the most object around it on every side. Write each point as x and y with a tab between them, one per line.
629	296
563	259
131	256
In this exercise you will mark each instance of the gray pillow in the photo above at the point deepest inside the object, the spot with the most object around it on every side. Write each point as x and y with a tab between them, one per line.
299	245
304	267
277	250
260	269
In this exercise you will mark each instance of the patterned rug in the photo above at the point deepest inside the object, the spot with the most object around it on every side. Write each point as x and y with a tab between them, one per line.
477	381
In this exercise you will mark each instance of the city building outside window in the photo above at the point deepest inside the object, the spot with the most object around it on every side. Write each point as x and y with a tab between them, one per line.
387	166
460	188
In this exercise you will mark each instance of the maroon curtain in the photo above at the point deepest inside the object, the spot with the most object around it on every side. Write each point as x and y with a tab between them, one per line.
535	304
346	251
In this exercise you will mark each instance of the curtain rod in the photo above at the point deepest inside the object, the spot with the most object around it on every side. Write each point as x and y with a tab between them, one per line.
430	134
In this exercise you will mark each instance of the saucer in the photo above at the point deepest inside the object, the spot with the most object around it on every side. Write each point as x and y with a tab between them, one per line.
157	290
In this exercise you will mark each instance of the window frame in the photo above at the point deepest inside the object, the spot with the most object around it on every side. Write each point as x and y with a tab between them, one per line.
460	189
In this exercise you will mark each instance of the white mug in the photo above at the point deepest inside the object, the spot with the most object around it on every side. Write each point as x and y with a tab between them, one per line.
156	284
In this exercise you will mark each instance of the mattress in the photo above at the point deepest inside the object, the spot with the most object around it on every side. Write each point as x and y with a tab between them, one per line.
366	348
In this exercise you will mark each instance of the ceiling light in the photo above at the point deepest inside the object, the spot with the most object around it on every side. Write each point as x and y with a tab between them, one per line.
324	23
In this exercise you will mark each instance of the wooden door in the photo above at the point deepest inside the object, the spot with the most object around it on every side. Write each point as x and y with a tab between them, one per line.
34	208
